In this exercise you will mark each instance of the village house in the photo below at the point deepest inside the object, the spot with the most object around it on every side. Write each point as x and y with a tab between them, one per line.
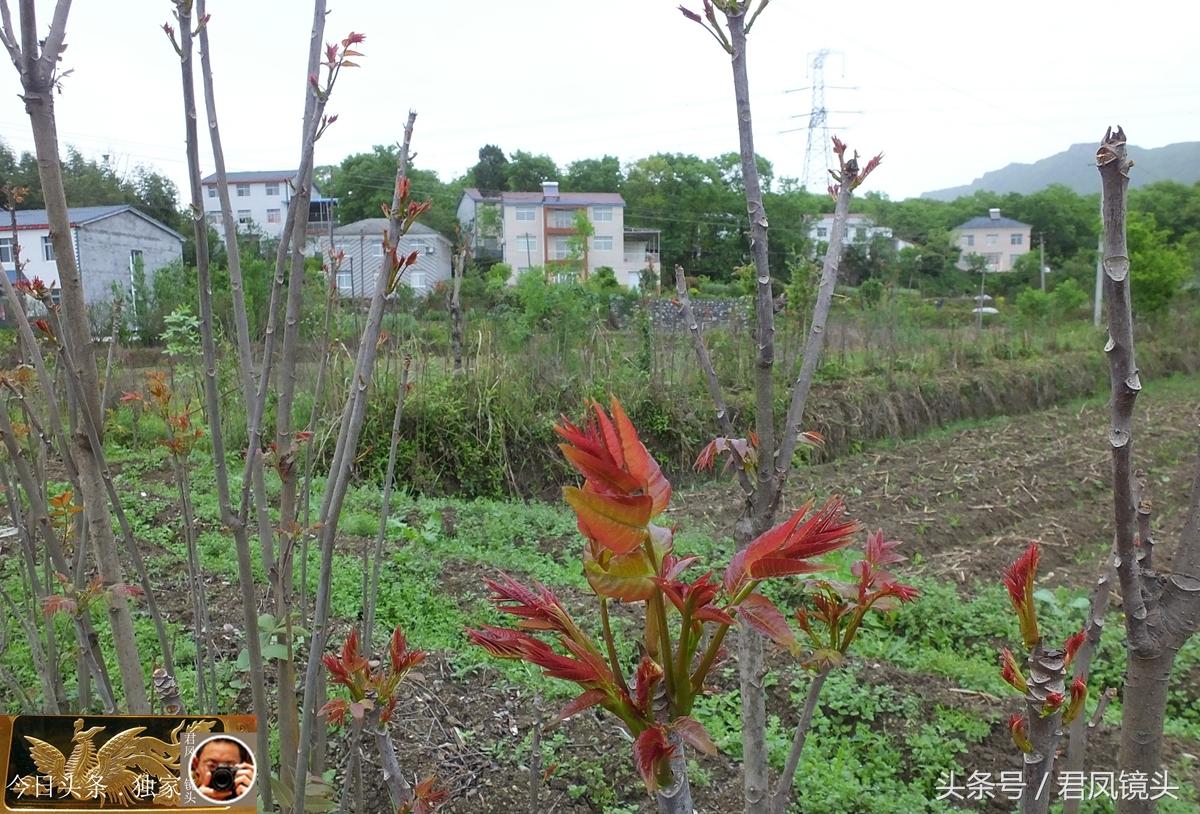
535	230
362	242
998	240
260	201
111	244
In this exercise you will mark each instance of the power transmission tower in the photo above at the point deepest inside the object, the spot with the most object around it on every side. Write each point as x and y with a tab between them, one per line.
818	151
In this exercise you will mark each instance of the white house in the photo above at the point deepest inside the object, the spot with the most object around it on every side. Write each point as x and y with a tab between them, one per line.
859	229
998	240
362	241
111	242
260	200
535	230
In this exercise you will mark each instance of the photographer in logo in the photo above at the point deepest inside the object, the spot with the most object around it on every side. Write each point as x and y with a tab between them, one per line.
222	769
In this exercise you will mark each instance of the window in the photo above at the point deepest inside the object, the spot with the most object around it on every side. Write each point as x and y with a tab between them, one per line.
416	280
345	283
273	189
244	218
420	245
1012	260
968	240
992	260
602	214
993	239
1016	239
559	249
135	260
243	190
860	232
562	219
602	243
6	250
212	192
47	248
525	213
822	231
272	216
214	218
527	243
377	249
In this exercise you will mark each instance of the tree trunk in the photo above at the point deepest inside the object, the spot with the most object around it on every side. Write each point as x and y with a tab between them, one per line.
236	523
40	107
1145	696
750	646
1047	674
678	798
751	671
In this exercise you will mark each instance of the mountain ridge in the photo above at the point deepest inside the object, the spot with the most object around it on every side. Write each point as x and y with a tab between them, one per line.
1075	167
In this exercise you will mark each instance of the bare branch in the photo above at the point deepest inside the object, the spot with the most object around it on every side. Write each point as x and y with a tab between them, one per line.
815	343
754	16
1078	733
783	787
1187	557
710	374
714	31
1101	705
8	35
52	47
1125	384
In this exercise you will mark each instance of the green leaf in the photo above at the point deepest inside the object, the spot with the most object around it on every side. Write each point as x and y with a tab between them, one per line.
1081	602
275	651
1046	595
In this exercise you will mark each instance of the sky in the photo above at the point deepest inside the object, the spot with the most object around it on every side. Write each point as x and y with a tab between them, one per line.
946	90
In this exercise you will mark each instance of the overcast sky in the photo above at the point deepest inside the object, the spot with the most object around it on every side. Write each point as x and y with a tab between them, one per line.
948	90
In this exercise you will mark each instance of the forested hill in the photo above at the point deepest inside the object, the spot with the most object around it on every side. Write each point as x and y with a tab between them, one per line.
1075	167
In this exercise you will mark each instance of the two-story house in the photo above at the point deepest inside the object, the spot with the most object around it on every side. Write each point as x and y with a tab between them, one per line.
538	230
362	245
998	240
111	244
260	201
859	229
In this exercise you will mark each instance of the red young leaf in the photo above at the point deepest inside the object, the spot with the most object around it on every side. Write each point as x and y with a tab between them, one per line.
585	701
1018	579
616	522
694	733
648	674
650	751
762	615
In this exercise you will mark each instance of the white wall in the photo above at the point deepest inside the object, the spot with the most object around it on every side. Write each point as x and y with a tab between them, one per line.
31	253
258	203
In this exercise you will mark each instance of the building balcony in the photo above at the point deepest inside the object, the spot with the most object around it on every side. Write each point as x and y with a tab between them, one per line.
641	259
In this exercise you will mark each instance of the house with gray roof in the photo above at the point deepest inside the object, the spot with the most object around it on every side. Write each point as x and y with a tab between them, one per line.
998	240
111	243
534	230
260	201
362	242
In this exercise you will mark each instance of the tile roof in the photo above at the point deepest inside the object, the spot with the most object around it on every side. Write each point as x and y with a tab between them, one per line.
376	227
562	199
986	222
254	176
81	215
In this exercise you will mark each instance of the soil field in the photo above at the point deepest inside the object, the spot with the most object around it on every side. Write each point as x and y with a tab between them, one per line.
920	696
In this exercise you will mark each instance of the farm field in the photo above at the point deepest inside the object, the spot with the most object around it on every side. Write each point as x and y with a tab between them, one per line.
916	703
